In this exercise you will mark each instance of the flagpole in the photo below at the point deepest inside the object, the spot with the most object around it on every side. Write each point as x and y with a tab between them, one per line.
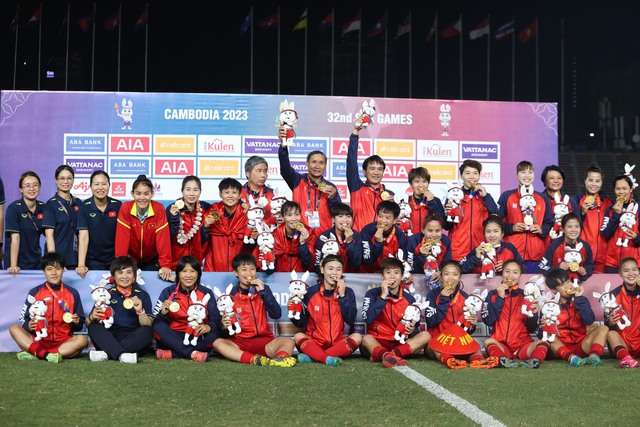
146	48
278	91
39	44
66	67
93	45
386	38
537	63
251	51
359	47
119	39
15	49
513	60
489	58
410	55
461	76
306	14
435	55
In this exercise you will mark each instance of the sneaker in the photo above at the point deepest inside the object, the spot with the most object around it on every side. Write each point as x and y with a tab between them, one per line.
391	361
199	356
283	362
488	363
128	358
261	360
54	357
303	358
533	363
25	355
163	354
628	362
331	361
455	364
593	359
98	356
576	361
505	362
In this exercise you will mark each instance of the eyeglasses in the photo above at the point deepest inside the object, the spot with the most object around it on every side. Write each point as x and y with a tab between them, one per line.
65	178
30	186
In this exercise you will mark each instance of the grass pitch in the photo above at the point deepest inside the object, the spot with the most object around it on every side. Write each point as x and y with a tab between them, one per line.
219	392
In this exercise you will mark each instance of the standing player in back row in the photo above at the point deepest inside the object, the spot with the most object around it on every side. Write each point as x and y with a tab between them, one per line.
365	196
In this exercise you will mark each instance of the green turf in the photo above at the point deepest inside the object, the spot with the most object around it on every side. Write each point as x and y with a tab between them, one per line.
183	393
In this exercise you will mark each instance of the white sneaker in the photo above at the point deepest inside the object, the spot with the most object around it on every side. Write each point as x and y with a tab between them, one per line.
129	358
98	356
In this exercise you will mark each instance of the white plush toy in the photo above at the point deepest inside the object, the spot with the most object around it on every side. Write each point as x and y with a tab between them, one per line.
330	245
410	318
488	266
297	290
196	313
224	302
255	215
472	305
102	299
37	311
610	307
367	112
627	221
431	262
527	206
455	195
532	292
549	321
404	219
288	119
573	257
265	242
559	210
277	201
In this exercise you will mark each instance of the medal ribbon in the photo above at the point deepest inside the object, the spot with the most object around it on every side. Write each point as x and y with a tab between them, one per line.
62	303
125	292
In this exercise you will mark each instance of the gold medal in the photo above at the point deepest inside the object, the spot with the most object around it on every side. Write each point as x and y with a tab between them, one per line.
127	303
571	291
590	199
67	317
381	226
179	204
574	266
385	195
174	307
507	282
620	199
473	184
528	220
488	247
429	242
638	282
322	186
215	215
299	226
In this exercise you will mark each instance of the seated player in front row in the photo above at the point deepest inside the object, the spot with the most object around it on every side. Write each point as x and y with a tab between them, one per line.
330	305
64	316
347	240
624	342
572	342
446	323
294	242
382	238
510	329
383	309
253	300
427	250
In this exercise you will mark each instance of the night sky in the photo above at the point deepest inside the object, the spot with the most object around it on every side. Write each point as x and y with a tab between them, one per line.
197	47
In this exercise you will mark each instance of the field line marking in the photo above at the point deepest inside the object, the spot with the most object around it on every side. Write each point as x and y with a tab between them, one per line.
465	407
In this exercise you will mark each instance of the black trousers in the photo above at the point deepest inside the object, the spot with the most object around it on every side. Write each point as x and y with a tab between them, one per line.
115	342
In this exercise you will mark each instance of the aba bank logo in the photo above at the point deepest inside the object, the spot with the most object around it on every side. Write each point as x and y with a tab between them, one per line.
118	189
174	144
85	165
481	150
301	167
130	166
437	150
261	146
219	145
305	146
339	170
129	144
85	143
397	171
340	146
174	167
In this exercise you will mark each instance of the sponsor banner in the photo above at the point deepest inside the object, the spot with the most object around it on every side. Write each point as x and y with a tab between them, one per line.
441	172
129	144
118	189
397	148
219	168
219	145
85	143
340	146
174	166
481	151
343	191
397	171
129	166
261	145
85	166
300	166
437	150
304	146
339	170
174	144
490	174
81	188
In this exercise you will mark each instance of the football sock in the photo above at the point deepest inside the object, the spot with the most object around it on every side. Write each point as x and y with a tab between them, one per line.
342	348
564	353
444	357
247	358
38	351
378	352
540	351
621	352
312	349
403	350
596	349
495	351
476	356
282	353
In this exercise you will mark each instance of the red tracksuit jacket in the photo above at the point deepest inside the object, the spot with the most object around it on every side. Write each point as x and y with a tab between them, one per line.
591	224
225	238
252	309
447	310
290	255
382	316
612	232
196	245
509	325
573	320
630	303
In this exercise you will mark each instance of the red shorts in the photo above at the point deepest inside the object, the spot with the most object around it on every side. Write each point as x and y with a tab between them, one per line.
516	353
256	345
389	345
577	349
49	345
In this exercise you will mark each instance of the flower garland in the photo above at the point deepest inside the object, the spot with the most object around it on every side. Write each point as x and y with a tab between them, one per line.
184	238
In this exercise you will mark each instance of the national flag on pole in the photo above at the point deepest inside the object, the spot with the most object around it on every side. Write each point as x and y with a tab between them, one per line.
112	22
506	30
379	27
15	20
143	20
302	23
246	24
85	22
482	29
353	25
326	22
529	32
269	22
405	27
452	30
35	18
432	31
